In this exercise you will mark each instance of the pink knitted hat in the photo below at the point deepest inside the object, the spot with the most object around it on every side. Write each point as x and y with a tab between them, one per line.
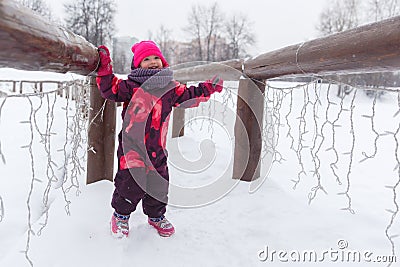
144	49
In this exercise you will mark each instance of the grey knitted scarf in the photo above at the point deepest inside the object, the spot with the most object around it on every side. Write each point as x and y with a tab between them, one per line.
151	78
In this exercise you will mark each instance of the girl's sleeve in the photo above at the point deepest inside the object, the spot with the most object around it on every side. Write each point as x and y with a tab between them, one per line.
113	88
188	97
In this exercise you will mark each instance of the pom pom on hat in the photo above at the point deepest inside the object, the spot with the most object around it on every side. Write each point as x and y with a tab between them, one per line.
144	49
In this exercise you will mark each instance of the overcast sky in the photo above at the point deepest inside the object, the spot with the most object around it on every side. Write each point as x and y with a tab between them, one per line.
276	23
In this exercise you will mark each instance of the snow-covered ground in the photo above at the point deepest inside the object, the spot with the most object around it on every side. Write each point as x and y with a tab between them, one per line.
272	226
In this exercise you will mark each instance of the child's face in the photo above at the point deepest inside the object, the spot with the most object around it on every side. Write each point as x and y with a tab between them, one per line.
151	62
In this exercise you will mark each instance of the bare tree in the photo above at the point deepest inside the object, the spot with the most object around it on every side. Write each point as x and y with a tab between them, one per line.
239	35
339	16
382	9
93	19
212	29
205	27
38	6
195	29
212	37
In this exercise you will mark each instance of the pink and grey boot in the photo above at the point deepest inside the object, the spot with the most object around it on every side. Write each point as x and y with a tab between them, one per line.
162	225
119	225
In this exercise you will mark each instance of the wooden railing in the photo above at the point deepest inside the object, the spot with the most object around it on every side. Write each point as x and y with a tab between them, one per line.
29	42
370	48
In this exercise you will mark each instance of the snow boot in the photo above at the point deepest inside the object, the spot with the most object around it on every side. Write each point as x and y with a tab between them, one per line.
119	225
162	225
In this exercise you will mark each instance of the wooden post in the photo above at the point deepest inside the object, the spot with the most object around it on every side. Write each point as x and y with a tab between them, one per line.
14	87
248	142
178	122
101	137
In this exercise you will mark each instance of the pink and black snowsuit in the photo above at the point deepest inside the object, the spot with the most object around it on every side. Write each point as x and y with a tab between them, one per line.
149	96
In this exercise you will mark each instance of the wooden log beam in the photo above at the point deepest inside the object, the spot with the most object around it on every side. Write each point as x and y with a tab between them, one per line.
370	48
230	70
30	42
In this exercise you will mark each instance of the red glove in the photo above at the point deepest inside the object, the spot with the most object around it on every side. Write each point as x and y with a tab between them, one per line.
105	67
215	84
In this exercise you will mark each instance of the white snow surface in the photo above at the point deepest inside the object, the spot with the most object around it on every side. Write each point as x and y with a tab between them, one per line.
234	230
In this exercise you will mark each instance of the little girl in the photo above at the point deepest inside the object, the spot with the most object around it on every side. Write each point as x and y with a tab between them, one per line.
149	94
